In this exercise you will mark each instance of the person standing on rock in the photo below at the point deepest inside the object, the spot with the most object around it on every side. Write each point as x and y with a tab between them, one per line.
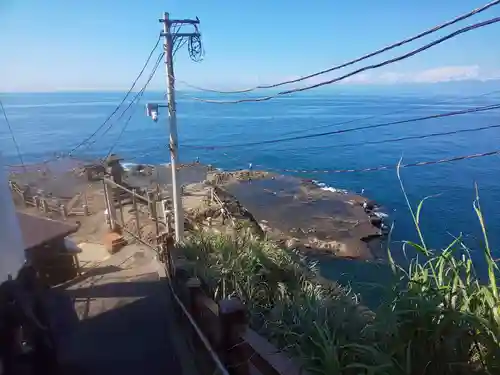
250	172
115	169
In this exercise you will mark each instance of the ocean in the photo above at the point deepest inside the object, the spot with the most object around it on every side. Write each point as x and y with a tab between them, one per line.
50	123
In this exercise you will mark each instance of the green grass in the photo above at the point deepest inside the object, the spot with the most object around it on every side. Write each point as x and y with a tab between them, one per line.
438	319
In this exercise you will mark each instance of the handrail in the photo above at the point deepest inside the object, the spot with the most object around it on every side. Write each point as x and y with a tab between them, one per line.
200	333
121	187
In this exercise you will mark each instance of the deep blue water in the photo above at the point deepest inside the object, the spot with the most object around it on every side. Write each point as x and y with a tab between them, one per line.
48	123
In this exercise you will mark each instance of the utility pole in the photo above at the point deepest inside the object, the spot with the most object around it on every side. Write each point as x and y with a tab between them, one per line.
172	116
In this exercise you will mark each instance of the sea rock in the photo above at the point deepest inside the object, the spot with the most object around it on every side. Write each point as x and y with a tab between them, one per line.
292	243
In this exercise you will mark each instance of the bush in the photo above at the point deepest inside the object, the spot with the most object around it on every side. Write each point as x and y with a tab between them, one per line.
439	319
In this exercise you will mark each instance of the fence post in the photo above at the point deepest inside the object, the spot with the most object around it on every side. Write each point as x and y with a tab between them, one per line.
193	285
64	212
36	200
110	206
45	205
136	213
149	196
233	321
120	206
170	244
25	196
85	204
154	214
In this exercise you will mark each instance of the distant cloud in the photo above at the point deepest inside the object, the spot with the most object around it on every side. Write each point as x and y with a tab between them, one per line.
448	73
386	77
433	75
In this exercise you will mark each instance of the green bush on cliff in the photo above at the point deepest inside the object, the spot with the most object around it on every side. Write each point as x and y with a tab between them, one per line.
439	319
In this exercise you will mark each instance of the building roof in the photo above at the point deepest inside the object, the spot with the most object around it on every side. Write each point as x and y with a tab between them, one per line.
38	231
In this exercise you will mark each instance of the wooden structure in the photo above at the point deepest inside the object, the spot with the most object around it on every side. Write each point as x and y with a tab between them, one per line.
45	247
76	206
132	221
219	331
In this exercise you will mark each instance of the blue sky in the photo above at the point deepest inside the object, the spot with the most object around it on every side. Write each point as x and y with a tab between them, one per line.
101	44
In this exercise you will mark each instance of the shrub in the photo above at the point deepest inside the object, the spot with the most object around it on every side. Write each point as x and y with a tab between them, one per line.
439	319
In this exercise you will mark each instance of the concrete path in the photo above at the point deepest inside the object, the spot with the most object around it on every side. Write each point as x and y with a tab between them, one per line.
121	322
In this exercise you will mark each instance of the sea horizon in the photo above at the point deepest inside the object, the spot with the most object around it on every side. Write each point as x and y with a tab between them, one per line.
45	124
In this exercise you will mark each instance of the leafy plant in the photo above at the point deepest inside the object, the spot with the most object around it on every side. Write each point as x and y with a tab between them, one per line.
440	318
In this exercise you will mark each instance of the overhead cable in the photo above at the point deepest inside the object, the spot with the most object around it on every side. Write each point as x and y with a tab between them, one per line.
392	140
135	100
387	113
367	56
391	166
340	131
87	139
360	70
13	136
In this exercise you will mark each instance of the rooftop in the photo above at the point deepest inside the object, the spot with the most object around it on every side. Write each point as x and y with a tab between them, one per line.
38	231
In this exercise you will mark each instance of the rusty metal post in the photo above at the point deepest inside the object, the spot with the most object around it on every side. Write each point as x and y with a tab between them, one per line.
136	213
234	322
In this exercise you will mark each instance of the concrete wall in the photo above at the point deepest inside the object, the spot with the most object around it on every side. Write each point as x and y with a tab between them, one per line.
11	241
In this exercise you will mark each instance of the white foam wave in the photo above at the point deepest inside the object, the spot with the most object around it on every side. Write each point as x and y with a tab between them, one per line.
381	215
128	166
325	187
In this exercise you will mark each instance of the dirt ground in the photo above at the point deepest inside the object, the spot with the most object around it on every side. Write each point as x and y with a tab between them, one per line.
295	212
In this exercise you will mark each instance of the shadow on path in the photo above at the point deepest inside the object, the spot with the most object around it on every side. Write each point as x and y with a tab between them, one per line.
130	337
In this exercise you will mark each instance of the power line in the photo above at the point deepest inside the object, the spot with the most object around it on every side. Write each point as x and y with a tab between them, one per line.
82	143
141	92
137	100
340	131
360	70
392	140
388	167
388	113
351	62
137	95
13	136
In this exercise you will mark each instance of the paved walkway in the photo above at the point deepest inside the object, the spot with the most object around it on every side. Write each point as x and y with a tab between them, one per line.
118	319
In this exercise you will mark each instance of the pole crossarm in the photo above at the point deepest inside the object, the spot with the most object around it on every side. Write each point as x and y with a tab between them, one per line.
185	21
181	34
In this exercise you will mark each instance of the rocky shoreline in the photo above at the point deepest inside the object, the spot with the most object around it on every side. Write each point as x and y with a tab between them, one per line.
297	213
301	215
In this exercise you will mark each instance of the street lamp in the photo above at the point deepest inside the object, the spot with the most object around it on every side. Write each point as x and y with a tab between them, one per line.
152	111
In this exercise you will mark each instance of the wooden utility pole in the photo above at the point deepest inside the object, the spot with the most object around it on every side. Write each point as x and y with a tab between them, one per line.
169	62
